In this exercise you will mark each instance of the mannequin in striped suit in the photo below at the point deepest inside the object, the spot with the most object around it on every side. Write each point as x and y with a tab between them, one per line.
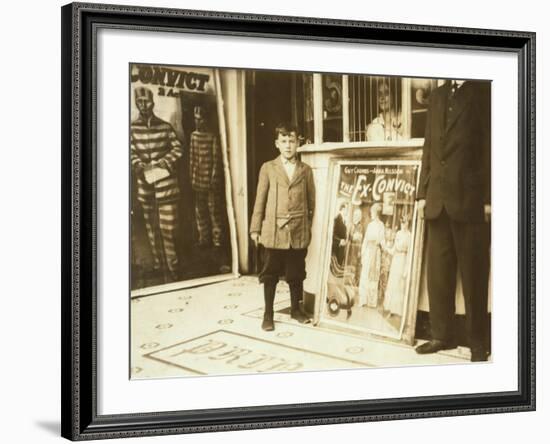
154	144
206	172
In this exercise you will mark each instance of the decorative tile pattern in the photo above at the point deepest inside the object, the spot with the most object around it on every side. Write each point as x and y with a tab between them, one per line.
224	352
164	326
355	350
202	311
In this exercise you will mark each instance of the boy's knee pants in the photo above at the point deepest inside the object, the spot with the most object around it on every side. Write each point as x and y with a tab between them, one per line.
291	264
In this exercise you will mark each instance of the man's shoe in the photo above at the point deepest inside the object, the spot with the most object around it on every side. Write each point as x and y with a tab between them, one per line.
434	346
268	324
479	355
300	317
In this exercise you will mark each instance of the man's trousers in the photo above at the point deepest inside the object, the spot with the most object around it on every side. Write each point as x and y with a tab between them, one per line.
209	217
161	222
466	245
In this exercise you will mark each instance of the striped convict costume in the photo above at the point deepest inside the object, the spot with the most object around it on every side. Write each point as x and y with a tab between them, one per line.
155	141
206	172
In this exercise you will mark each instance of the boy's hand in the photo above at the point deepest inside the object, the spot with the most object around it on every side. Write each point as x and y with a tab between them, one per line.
255	238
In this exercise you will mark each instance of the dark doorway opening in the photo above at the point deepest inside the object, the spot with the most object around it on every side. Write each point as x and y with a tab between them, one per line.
269	101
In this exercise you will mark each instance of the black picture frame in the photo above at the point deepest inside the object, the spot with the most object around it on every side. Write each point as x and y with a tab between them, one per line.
80	420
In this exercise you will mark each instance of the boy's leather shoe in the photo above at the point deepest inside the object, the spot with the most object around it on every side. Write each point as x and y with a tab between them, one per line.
300	317
267	323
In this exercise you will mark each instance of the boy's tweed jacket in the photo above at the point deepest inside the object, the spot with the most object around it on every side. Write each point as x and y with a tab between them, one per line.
284	208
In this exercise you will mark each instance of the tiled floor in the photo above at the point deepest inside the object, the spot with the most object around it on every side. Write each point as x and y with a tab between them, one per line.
215	329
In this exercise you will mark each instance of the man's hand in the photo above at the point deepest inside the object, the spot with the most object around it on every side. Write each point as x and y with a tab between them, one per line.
342	242
163	164
139	168
255	238
421	205
487	212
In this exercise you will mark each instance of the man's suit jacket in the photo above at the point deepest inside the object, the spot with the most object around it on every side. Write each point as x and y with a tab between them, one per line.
456	161
284	208
339	233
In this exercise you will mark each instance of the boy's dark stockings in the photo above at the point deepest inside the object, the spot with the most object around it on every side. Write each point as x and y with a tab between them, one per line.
269	297
296	294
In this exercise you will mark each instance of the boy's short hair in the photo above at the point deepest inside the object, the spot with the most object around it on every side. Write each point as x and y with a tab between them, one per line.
284	129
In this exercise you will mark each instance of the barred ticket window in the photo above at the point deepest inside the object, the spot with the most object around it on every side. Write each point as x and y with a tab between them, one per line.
420	90
336	108
375	109
303	106
332	108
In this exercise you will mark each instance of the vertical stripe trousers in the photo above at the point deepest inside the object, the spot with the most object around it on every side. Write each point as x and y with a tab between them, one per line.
161	221
208	213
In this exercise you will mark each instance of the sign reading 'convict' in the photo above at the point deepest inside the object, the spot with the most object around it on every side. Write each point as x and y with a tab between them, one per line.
171	81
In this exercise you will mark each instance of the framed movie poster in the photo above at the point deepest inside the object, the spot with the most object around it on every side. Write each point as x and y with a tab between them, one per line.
253	207
371	267
182	229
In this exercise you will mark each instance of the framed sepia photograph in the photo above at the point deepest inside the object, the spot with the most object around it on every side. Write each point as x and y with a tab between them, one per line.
281	221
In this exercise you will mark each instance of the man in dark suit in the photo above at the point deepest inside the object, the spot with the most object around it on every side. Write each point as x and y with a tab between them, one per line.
340	234
455	199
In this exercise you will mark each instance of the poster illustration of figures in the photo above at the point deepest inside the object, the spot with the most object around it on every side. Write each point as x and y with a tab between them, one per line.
180	190
373	228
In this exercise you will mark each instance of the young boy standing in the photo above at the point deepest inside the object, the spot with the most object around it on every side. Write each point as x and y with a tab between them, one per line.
281	222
